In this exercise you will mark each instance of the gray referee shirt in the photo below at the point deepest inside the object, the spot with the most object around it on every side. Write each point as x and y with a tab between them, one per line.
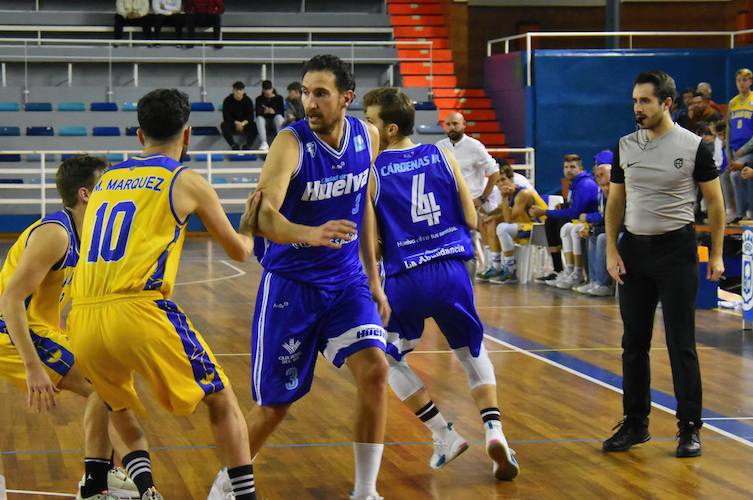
660	177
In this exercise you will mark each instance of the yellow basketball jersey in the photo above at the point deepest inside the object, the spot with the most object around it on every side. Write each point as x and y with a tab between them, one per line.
132	238
45	304
524	218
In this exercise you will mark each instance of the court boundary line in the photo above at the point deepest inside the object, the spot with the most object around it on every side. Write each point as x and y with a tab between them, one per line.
42	493
606	385
238	273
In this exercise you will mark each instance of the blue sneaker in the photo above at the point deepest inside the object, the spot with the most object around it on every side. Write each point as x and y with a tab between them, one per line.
505	277
488	274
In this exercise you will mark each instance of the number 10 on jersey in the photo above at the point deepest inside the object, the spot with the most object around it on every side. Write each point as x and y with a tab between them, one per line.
105	248
423	205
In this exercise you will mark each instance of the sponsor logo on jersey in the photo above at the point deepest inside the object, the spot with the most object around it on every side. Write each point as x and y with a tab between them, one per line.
311	149
359	142
334	187
678	163
291	345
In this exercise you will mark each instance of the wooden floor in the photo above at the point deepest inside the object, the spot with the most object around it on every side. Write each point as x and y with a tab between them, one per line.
557	358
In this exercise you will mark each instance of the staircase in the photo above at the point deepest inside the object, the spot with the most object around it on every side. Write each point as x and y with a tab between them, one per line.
423	20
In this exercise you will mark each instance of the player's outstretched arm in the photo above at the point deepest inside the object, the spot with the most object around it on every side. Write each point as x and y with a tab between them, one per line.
279	166
466	200
192	193
45	247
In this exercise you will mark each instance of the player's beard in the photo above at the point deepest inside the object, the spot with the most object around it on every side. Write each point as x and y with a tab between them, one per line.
322	126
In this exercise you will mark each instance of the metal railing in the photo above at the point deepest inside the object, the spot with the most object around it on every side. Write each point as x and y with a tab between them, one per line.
211	172
202	60
528	37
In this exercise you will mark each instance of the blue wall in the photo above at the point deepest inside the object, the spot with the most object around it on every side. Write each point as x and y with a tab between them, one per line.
581	99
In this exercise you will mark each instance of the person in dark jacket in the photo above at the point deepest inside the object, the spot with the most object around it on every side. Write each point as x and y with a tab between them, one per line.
270	110
582	198
293	105
238	117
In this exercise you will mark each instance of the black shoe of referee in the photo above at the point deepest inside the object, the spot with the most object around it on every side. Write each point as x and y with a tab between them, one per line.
690	440
548	277
628	433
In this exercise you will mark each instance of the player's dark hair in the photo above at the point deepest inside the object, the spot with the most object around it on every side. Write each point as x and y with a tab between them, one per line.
573	157
163	113
327	62
664	85
239	85
394	107
75	173
294	86
506	170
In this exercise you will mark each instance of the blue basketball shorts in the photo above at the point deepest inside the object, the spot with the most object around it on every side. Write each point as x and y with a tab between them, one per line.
294	321
440	289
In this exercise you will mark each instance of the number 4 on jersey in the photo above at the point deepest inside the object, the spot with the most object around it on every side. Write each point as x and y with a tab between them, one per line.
423	205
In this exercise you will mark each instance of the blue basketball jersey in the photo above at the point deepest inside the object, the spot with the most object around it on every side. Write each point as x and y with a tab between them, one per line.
418	209
328	184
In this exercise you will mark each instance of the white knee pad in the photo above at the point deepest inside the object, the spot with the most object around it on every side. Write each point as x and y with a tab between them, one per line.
479	370
567	242
403	381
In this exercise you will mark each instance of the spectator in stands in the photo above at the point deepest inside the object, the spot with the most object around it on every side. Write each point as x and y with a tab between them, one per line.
204	13
681	116
582	198
600	284
511	224
269	112
294	106
705	89
132	13
700	111
739	145
167	13
238	117
480	172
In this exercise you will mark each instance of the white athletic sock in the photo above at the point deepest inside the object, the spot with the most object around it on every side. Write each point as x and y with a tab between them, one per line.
368	458
568	269
496	260
487	256
493	430
510	262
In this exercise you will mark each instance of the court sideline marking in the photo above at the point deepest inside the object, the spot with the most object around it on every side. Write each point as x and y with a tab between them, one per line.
497	336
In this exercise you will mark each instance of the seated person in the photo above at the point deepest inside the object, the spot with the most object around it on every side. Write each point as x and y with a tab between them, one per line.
510	223
293	105
204	13
582	197
269	110
167	13
132	13
238	117
600	283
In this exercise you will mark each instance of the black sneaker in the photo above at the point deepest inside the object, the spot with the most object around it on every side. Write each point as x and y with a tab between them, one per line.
235	147
548	277
628	433
690	441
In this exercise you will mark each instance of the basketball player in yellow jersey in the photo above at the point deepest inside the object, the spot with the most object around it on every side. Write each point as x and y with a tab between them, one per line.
511	222
34	351
122	320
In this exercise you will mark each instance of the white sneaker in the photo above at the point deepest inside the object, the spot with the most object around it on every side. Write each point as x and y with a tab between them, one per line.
560	276
584	288
120	485
505	467
601	291
222	488
152	494
264	146
575	278
447	448
99	496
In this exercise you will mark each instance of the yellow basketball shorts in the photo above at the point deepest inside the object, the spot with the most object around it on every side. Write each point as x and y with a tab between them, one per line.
120	335
53	348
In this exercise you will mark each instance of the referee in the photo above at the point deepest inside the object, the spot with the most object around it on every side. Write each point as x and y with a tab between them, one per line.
652	192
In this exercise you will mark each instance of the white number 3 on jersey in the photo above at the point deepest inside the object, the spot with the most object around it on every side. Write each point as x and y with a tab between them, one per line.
423	205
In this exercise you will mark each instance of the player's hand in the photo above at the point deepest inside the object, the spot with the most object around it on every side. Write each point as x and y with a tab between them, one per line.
250	218
41	390
536	211
583	233
477	202
715	269
383	305
615	266
747	173
736	165
332	234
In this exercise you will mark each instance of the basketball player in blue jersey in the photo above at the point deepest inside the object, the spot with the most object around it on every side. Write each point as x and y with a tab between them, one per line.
314	296
424	215
35	351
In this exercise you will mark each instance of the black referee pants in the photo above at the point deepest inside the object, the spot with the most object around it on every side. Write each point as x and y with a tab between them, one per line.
660	268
